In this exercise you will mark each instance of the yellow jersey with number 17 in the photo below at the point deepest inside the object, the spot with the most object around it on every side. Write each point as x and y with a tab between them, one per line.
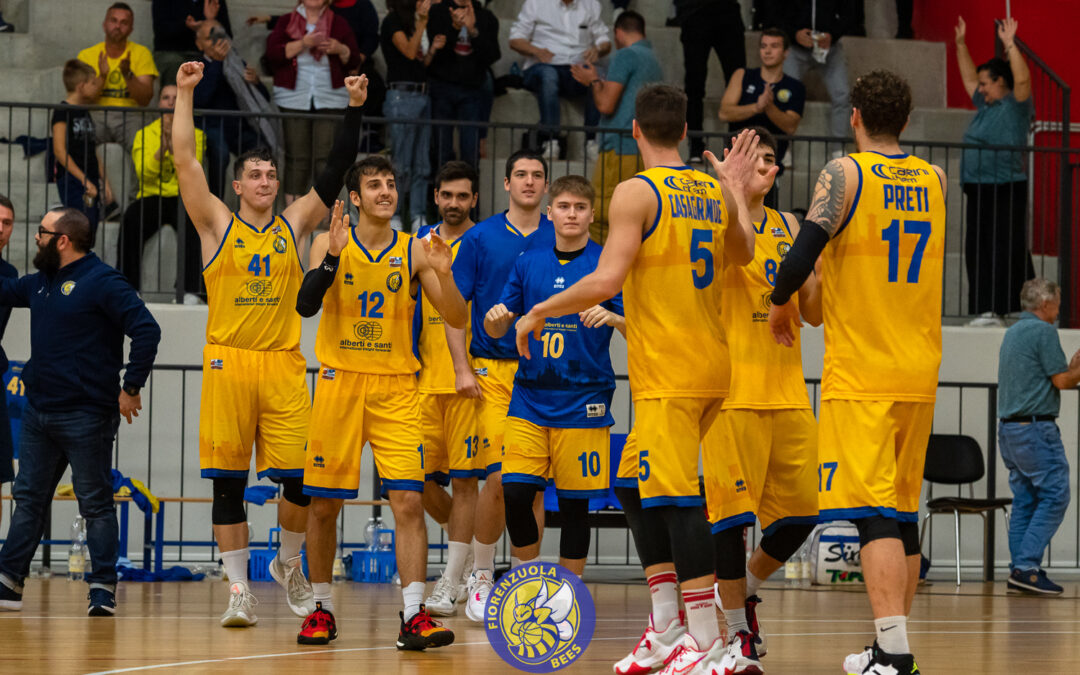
881	284
251	286
436	366
366	324
675	342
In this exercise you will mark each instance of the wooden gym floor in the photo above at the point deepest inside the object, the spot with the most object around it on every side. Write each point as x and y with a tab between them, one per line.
173	628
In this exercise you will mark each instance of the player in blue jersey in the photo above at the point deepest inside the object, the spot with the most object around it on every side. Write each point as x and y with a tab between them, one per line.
484	259
560	410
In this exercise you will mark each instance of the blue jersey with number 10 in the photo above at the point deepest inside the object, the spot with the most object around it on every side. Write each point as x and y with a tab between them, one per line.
568	383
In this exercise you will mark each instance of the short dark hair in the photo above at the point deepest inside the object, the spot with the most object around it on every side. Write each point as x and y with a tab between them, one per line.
120	5
75	73
776	32
74	223
579	186
766	138
457	170
6	203
368	166
525	153
259	154
998	68
883	100
631	22
660	111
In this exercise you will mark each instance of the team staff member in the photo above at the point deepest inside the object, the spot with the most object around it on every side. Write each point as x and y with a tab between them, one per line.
254	387
560	410
80	311
367	388
7	451
883	212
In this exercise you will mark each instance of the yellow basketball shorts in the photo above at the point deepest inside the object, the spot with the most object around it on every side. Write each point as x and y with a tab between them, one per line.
767	469
577	459
871	456
352	409
496	379
629	469
253	398
451	442
670	438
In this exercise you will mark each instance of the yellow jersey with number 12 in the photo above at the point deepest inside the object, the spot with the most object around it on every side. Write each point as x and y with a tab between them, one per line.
251	286
881	285
436	366
366	324
675	342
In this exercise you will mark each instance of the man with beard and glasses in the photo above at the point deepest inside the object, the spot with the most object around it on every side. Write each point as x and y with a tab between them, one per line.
80	311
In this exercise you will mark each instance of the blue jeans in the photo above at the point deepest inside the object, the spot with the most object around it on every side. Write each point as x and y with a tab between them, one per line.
71	194
1039	479
451	101
47	444
410	148
834	72
548	83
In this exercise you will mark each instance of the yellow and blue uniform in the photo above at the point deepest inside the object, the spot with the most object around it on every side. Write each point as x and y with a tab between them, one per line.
254	390
766	427
485	257
560	409
366	391
676	350
448	419
881	297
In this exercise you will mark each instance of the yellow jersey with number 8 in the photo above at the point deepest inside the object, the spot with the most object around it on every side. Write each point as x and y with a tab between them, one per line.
367	315
251	286
675	342
881	285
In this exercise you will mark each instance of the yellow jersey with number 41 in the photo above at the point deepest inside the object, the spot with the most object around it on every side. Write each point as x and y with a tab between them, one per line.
881	284
251	286
675	342
366	324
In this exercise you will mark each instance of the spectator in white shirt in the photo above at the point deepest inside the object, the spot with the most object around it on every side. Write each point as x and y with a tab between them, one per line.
554	35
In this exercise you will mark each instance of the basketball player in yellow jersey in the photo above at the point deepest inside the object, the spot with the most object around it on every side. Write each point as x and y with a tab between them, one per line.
367	391
254	391
766	428
878	222
671	230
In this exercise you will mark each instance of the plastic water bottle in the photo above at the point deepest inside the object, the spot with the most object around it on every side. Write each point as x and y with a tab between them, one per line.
371	532
793	571
77	552
804	564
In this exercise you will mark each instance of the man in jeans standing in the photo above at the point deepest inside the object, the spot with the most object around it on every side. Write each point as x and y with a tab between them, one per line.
1031	370
80	311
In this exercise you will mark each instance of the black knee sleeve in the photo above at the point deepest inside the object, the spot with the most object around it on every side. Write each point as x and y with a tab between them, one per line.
574	537
730	552
909	534
873	528
292	489
647	526
784	541
688	531
228	508
520	520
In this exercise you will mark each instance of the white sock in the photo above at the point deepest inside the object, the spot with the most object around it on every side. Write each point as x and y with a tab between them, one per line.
291	542
456	552
515	561
413	594
736	621
521	562
752	583
236	565
321	591
701	616
483	556
892	634
665	599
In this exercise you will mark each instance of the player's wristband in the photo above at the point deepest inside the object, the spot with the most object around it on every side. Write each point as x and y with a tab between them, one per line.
330	263
799	262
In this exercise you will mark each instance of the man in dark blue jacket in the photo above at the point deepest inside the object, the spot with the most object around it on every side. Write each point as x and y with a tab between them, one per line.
7	224
80	311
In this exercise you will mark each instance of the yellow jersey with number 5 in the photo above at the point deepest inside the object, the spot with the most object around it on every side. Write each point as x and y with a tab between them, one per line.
881	284
675	342
367	315
251	286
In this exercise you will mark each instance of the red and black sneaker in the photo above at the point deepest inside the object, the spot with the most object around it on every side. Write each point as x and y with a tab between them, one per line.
421	632
319	628
755	628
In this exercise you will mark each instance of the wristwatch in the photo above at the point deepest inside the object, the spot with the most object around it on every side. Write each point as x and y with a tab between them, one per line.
131	390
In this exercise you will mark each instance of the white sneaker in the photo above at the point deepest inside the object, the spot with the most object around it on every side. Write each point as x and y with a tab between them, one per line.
466	574
739	657
192	299
241	612
480	585
395	223
592	151
652	650
442	600
857	663
987	319
549	150
290	575
687	657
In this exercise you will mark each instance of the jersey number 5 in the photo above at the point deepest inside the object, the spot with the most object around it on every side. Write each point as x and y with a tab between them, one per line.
699	252
891	234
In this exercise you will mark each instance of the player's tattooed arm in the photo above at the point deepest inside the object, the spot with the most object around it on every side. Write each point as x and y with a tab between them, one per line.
828	207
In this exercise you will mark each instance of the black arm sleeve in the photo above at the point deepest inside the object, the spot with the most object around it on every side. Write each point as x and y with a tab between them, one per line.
799	261
316	282
342	155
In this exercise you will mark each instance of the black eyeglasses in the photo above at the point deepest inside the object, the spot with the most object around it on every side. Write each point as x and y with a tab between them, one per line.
42	232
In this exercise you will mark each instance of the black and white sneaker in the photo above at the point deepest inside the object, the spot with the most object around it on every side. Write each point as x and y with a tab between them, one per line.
10	599
1032	581
102	602
873	661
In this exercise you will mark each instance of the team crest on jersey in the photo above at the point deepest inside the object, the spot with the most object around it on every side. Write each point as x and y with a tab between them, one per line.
560	282
393	282
328	374
67	287
217	364
777	232
279	244
686	184
367	330
395	261
782	249
259	288
784	95
540	617
751	88
239	243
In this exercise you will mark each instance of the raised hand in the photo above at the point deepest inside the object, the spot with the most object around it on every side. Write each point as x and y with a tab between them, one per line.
103	65
422	9
498	314
1007	31
438	253
357	87
740	163
961	30
125	65
211	8
313	39
765	99
339	230
438	42
189	74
